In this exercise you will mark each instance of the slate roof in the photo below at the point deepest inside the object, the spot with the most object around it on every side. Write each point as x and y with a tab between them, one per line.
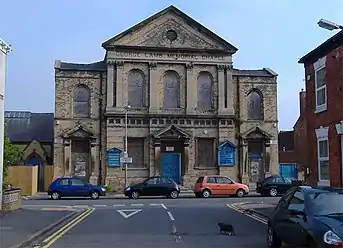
96	66
323	49
23	126
286	140
265	72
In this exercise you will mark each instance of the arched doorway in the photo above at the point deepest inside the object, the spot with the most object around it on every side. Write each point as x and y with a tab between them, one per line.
35	160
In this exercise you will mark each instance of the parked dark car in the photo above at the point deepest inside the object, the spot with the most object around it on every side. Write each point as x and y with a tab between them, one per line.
74	187
274	185
308	217
154	186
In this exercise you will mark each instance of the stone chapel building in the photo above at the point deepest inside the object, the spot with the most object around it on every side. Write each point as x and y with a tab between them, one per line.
190	112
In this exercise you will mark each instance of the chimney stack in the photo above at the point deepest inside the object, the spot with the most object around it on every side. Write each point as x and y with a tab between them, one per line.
302	102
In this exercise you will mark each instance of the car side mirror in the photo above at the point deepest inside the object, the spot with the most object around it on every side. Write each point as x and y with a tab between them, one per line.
145	184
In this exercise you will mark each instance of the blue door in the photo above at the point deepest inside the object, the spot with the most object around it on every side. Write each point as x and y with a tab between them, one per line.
288	170
170	164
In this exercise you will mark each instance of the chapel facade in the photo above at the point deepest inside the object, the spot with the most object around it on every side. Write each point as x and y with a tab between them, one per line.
189	111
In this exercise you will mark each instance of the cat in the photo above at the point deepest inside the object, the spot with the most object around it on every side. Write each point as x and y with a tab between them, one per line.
226	229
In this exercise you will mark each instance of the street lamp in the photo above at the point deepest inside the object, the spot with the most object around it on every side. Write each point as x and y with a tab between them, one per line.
329	25
125	145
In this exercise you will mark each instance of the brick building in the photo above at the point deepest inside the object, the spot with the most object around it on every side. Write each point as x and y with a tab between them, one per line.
191	113
324	111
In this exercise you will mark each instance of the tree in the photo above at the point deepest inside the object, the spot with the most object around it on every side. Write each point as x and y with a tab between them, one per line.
12	154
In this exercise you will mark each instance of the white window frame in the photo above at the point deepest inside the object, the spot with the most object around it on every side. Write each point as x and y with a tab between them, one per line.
339	129
319	65
323	135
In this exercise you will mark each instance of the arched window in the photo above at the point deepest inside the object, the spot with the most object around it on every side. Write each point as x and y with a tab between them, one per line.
255	105
136	88
204	87
81	101
171	90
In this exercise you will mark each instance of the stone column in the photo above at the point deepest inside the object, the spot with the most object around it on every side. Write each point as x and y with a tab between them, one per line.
110	81
267	168
230	90
157	166
121	86
245	176
67	157
153	89
93	163
192	92
221	89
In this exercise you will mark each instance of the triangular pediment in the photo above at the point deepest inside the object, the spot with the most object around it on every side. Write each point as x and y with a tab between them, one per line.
256	133
173	132
79	132
156	32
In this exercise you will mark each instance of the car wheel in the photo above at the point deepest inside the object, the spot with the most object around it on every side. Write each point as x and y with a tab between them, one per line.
135	195
240	193
272	240
95	195
273	192
174	194
55	196
206	193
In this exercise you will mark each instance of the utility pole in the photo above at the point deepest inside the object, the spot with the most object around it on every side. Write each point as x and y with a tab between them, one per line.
125	145
4	50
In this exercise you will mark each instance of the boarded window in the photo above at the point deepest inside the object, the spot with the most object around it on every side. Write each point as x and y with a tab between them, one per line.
135	149
255	107
204	86
205	153
171	90
81	101
136	88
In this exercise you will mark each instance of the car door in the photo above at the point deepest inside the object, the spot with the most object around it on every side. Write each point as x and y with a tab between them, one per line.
166	186
293	232
225	186
78	187
151	187
279	183
211	183
286	185
63	187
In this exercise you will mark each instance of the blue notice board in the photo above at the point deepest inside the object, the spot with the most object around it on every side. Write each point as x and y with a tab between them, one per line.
113	157
226	154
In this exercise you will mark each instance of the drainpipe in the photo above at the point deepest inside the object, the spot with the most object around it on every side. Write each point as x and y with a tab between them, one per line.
100	130
238	123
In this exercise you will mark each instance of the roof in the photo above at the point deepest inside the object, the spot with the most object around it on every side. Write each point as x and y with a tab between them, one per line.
24	126
190	21
96	66
265	72
286	140
323	49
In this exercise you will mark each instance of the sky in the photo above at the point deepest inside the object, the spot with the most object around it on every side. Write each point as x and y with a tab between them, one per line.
268	33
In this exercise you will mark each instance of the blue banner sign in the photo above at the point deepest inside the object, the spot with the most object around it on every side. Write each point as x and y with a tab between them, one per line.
226	154
113	157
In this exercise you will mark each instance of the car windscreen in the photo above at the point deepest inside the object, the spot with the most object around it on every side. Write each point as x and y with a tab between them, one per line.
324	203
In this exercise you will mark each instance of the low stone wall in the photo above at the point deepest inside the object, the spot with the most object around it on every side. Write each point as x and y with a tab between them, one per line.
11	200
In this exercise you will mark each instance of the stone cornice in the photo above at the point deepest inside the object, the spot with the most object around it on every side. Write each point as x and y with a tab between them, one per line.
4	47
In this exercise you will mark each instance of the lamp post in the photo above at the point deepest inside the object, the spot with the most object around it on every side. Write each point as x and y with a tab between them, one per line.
328	25
125	143
4	50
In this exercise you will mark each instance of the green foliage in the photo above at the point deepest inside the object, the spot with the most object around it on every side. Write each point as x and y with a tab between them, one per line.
12	154
107	188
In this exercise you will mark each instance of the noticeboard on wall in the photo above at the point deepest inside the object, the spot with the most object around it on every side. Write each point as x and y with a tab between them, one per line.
226	154
113	157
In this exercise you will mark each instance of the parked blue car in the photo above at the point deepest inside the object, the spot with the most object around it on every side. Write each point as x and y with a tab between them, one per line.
74	187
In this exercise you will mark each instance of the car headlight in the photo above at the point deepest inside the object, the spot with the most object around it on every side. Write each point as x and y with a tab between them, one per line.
332	238
127	189
103	189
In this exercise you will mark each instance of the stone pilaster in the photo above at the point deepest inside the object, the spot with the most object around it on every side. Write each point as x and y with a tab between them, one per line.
267	159
94	165
110	81
153	102
191	89
230	90
157	168
221	89
245	169
67	158
121	86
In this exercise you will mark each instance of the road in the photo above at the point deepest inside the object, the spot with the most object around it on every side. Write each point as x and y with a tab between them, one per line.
158	223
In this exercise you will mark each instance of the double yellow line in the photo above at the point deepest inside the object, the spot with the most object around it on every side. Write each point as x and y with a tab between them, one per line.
253	216
59	233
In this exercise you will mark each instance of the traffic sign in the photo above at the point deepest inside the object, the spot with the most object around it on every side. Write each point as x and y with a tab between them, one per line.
127	160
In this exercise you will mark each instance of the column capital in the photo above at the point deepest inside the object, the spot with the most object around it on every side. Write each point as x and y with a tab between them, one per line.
229	67
110	62
119	63
190	66
221	67
152	65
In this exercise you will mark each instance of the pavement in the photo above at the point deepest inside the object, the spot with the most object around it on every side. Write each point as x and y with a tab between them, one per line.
155	222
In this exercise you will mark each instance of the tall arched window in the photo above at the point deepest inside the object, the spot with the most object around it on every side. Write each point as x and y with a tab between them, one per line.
81	101
136	88
171	90
204	87
255	105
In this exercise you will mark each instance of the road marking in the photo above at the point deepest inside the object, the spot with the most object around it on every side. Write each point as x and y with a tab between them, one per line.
99	205
163	206
132	212
57	209
119	205
80	206
253	216
171	217
155	204
137	205
59	233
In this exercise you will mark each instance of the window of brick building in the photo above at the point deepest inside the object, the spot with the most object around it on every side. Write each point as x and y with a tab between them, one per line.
323	156
255	105
205	153
81	101
320	89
